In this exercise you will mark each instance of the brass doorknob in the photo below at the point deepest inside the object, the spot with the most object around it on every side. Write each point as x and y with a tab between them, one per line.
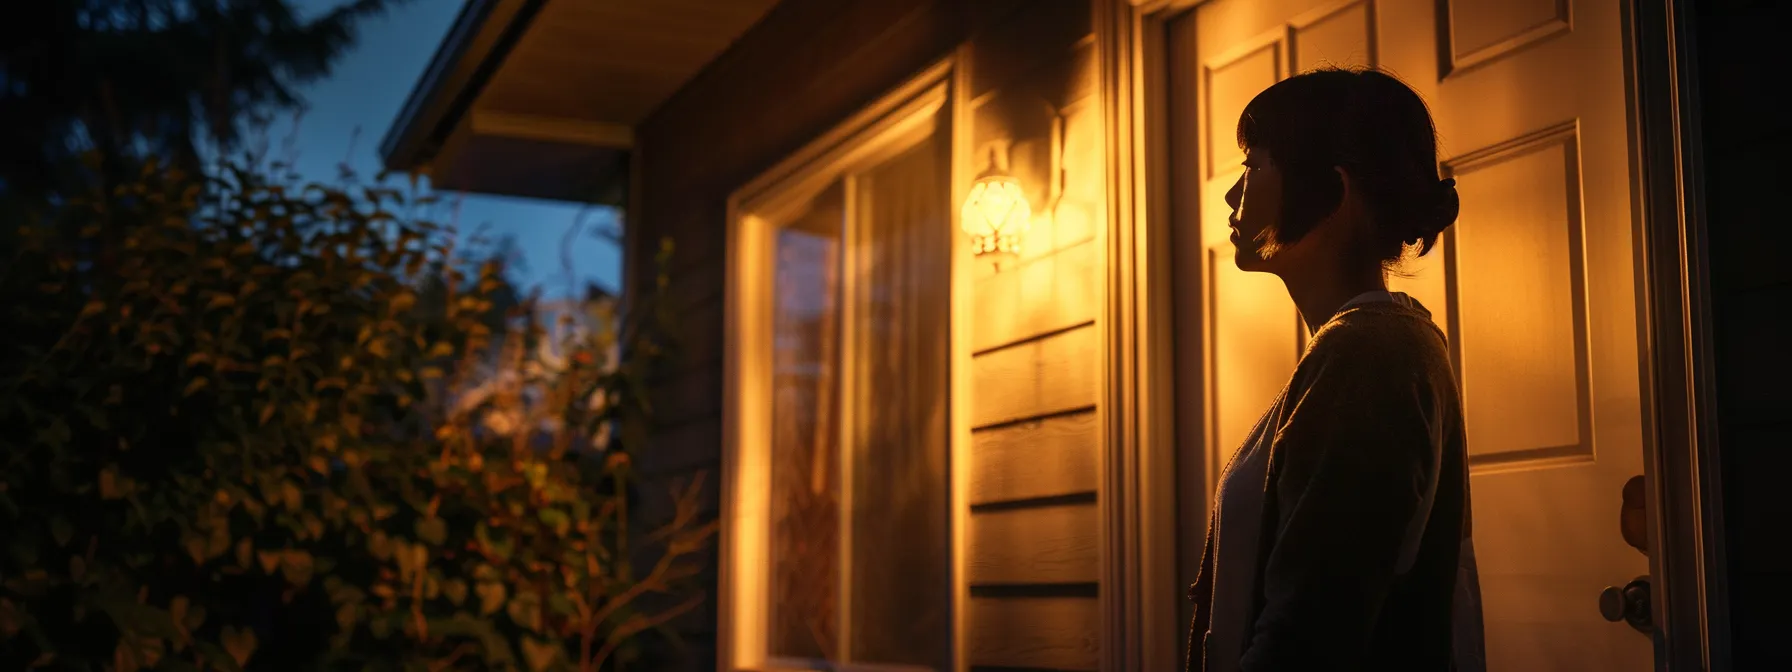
1629	604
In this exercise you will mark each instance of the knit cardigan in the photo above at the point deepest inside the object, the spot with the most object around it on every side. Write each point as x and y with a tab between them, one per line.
1368	463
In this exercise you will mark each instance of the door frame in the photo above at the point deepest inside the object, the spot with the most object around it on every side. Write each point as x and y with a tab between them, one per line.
1683	462
1681	454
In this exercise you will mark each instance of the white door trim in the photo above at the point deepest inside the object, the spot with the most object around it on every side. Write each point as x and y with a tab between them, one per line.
1140	594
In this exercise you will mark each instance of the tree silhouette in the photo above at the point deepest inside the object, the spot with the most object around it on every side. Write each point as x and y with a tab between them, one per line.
119	80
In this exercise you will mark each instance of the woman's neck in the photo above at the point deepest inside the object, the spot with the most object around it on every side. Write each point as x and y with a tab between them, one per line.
1319	295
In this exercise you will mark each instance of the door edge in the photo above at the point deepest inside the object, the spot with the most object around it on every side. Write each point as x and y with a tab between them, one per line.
1682	458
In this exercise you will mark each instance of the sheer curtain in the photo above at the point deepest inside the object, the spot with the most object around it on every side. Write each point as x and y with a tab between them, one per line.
899	447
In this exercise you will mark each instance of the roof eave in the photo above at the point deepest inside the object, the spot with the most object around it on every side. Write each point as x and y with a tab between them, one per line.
477	43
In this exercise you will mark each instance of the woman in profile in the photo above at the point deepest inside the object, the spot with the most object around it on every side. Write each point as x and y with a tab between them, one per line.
1340	533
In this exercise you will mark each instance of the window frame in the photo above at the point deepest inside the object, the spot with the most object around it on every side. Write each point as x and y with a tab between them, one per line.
921	110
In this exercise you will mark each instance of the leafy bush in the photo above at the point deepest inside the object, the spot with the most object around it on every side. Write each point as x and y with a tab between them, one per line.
252	424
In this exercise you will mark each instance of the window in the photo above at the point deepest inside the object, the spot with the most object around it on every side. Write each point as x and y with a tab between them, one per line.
841	551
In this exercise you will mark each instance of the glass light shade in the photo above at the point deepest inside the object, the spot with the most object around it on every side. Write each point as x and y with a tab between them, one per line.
996	214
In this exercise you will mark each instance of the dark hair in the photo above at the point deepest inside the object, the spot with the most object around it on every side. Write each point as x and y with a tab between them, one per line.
1373	126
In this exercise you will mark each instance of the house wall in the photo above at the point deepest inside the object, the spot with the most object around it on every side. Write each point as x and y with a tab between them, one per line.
1033	537
1746	130
1034	532
1031	549
805	67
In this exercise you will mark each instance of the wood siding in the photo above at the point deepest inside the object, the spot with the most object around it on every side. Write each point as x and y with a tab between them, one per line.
1033	550
1035	459
1035	633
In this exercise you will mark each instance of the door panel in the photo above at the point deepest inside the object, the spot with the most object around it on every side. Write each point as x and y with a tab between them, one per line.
1333	34
1536	283
1515	260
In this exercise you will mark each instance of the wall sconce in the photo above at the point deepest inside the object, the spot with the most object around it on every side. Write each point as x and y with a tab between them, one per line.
996	213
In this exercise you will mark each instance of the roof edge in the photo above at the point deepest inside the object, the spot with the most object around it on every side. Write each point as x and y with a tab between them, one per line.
478	41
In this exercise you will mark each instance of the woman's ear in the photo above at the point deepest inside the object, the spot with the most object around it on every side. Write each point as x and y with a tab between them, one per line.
1343	200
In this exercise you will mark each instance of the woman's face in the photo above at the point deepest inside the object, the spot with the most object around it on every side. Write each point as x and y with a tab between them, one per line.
1256	201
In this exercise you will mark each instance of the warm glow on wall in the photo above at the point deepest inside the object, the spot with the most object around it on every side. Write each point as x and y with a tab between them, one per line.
996	213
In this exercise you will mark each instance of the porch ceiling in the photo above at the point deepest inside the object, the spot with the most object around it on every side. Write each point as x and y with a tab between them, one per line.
540	98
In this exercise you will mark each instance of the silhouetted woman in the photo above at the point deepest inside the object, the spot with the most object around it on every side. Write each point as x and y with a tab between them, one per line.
1340	533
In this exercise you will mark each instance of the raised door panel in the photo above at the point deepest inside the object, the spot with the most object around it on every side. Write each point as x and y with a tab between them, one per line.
1340	36
1517	260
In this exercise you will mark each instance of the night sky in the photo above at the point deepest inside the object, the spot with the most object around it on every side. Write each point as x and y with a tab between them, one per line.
366	90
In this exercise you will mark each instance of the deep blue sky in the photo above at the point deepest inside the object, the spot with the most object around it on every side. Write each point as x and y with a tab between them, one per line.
364	92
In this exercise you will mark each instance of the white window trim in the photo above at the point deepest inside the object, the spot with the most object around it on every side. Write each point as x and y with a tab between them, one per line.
916	108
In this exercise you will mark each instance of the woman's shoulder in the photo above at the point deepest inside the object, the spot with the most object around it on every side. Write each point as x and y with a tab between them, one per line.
1380	334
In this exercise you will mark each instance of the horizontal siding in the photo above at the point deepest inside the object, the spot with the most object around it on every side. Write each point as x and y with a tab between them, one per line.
1056	544
1057	373
1052	633
1034	546
1039	296
1046	457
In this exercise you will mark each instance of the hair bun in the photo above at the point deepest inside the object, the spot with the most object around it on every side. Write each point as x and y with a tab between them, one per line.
1444	209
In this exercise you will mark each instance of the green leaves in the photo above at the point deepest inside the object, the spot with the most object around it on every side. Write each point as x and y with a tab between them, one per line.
403	301
220	300
109	484
267	404
291	497
296	565
494	543
61	530
380	545
455	590
54	435
433	531
491	596
240	643
556	520
540	654
525	610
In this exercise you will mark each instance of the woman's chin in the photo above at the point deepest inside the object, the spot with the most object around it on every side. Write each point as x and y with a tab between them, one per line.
1248	259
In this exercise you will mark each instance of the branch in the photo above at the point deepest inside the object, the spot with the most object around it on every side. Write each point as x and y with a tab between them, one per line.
635	626
684	513
446	663
662	568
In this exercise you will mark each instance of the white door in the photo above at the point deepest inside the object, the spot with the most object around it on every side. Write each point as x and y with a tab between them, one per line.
1536	284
